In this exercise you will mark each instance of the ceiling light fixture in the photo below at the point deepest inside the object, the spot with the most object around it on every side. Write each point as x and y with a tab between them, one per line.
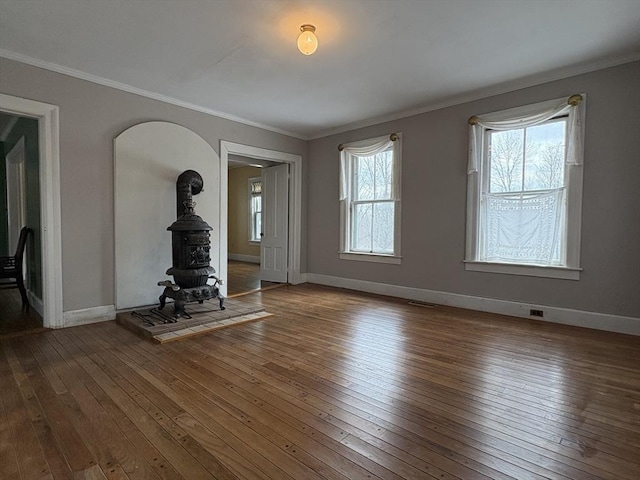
307	40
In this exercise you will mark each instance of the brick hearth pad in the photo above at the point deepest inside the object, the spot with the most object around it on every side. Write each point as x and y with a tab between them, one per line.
204	318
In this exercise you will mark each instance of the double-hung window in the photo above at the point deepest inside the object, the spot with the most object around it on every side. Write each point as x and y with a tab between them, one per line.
370	200
255	209
525	190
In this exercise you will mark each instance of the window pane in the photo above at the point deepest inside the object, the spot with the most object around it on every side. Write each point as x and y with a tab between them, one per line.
364	178
524	228
383	163
257	221
361	227
506	149
383	227
255	210
545	156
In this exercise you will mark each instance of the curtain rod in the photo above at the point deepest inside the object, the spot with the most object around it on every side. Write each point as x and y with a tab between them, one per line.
573	100
393	137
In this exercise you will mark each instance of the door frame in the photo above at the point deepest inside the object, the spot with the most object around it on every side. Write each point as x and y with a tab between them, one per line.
50	219
295	203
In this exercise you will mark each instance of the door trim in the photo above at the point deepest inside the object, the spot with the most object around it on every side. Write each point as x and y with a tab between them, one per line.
295	203
49	148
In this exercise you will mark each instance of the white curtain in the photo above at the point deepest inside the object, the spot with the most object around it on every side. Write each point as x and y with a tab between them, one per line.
523	227
368	148
527	117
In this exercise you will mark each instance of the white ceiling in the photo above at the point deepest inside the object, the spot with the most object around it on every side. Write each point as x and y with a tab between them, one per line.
377	59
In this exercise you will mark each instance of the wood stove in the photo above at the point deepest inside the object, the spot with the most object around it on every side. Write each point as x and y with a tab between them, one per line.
191	244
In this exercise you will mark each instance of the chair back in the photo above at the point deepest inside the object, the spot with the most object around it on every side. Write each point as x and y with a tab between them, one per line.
22	242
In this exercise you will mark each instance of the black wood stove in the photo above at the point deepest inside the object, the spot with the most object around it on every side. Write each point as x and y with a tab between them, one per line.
190	241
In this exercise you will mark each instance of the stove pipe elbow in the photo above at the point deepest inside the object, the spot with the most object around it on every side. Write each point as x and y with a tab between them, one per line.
189	183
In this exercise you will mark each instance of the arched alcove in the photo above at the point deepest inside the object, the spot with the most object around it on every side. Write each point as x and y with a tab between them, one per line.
148	159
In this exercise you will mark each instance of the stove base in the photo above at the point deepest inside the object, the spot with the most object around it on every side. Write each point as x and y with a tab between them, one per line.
189	295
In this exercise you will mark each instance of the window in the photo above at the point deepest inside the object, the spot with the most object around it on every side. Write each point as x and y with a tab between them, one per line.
255	209
525	189
370	200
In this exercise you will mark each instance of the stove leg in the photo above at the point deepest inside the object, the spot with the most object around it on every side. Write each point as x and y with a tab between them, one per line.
163	298
178	309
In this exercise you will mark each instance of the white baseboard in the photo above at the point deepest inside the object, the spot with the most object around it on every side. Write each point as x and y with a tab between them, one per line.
566	316
84	316
244	258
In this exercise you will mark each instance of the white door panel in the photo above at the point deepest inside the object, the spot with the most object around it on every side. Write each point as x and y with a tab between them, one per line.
275	223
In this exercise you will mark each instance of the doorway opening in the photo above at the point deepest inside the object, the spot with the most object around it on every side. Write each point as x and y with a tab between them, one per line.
19	168
261	217
245	225
43	215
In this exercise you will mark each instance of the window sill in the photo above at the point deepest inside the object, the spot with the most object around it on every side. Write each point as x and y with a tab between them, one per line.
370	257
565	273
254	242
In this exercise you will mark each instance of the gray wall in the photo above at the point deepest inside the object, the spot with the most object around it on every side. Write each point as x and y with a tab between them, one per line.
434	189
91	116
434	200
238	233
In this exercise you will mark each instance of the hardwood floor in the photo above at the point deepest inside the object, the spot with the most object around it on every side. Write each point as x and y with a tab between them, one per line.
335	385
244	277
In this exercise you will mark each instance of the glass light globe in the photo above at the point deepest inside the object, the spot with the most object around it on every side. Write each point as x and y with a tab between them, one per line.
307	40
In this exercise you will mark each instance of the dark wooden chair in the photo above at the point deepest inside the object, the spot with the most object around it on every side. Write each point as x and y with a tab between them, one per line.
11	268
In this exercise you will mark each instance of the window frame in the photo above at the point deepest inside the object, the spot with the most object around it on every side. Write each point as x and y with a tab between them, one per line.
348	203
573	184
250	211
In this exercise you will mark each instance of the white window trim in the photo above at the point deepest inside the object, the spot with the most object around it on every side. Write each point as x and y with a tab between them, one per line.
371	257
250	204
566	273
345	217
574	173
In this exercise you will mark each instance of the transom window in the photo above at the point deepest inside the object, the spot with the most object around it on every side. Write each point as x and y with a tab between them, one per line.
371	199
525	181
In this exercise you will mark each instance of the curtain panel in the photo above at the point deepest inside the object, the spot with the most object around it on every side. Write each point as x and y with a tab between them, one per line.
528	117
523	228
367	148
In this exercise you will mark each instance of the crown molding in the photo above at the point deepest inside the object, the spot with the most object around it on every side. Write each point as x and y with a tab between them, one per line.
506	87
71	72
